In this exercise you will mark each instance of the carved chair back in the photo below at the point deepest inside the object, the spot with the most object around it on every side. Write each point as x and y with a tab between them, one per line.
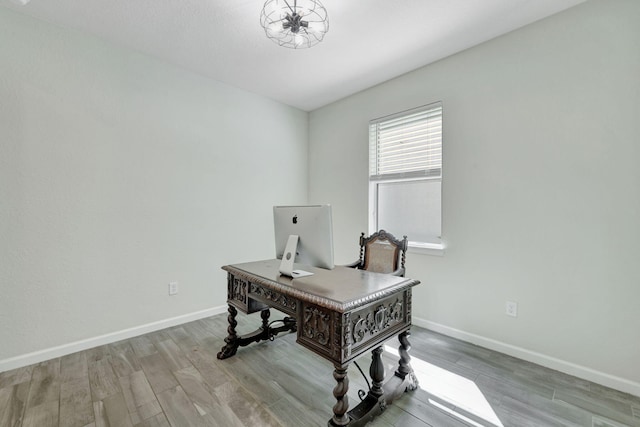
382	253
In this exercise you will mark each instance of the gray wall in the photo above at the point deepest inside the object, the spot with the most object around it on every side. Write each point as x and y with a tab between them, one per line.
119	174
541	203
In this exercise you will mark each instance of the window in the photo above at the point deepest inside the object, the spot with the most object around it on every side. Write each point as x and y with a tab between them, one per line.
405	175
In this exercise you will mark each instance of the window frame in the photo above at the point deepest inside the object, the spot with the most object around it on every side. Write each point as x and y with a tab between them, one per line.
431	247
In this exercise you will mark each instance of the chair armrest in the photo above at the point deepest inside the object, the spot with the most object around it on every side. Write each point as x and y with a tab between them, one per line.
398	272
355	264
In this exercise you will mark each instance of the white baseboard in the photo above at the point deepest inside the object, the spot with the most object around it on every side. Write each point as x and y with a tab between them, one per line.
63	350
583	372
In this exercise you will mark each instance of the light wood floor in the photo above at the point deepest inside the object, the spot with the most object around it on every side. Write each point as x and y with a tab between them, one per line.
172	378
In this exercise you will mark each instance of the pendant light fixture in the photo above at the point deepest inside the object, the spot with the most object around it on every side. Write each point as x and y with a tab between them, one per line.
296	24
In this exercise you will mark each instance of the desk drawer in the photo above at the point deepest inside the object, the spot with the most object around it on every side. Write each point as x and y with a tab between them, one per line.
239	295
260	294
342	337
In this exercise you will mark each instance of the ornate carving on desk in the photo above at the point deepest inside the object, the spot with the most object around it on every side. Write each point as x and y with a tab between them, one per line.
377	319
316	324
237	289
273	296
345	327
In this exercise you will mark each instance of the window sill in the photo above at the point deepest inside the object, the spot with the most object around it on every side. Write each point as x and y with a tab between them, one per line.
436	249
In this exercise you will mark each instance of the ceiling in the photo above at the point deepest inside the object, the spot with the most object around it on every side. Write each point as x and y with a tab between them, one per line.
369	41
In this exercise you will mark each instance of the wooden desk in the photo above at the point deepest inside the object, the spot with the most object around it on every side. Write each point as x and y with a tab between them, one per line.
338	314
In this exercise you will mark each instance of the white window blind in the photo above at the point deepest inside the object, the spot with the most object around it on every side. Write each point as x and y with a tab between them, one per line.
407	144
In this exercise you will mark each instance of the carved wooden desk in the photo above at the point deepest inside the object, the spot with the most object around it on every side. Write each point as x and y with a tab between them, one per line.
338	314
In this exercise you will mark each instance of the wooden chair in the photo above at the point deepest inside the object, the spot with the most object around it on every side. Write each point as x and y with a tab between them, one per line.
382	253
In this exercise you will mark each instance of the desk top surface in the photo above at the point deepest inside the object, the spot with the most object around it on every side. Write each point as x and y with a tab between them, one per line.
341	289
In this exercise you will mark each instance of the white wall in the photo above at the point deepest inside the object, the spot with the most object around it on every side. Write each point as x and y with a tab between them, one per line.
119	174
541	197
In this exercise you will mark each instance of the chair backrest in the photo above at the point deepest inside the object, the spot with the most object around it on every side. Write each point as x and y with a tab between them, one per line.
383	253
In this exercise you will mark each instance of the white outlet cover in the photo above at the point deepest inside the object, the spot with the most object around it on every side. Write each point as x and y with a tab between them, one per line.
511	309
173	288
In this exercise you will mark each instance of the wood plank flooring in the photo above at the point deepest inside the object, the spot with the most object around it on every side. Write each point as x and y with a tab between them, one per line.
172	378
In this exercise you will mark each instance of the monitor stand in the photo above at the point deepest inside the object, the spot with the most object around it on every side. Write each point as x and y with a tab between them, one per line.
289	256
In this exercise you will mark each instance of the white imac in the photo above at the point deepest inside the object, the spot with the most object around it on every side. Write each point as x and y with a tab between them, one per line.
304	234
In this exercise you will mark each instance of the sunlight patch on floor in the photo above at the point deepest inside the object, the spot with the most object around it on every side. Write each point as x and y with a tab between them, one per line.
457	391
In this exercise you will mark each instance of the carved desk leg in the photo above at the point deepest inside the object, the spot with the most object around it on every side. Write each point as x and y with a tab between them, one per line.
376	371
264	332
405	371
376	400
340	417
232	339
264	315
404	378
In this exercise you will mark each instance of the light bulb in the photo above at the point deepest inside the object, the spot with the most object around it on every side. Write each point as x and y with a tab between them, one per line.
315	27
275	27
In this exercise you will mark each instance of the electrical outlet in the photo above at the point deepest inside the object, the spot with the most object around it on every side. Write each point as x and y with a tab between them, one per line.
511	309
173	288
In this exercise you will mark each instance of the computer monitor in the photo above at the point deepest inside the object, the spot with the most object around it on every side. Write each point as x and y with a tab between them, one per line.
313	226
